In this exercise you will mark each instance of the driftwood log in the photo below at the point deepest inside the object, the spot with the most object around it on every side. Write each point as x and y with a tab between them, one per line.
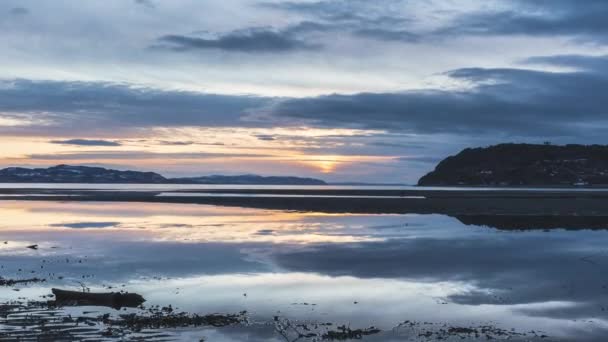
114	300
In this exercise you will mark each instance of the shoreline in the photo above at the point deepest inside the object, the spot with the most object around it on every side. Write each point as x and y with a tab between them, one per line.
360	201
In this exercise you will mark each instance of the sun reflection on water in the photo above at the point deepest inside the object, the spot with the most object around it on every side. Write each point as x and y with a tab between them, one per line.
182	223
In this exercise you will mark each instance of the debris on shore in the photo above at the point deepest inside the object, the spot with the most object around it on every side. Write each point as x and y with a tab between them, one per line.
433	332
166	317
11	282
346	333
116	300
43	321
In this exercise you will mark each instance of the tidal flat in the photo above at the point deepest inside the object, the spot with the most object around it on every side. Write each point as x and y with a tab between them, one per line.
233	271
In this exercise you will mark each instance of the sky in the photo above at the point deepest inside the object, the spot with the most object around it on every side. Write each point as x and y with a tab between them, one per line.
342	90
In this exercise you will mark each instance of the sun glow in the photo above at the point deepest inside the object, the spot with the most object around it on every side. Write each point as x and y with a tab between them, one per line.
331	163
327	166
184	223
189	151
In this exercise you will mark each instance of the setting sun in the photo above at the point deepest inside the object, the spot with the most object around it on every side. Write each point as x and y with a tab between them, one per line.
327	166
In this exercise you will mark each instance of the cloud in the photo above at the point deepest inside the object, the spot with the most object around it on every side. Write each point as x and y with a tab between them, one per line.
543	18
146	3
165	258
421	159
375	20
585	63
388	35
516	102
386	21
86	142
508	101
399	145
176	143
507	262
64	105
19	11
342	10
106	224
137	155
537	18
252	40
265	137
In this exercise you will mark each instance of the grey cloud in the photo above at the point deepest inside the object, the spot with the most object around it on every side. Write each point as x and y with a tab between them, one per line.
341	10
135	155
397	145
346	9
382	20
175	143
421	159
389	35
146	3
166	259
568	18
538	18
517	102
108	106
250	40
19	11
362	27
186	143
265	137
513	102
506	262
106	224
585	63
360	18
86	142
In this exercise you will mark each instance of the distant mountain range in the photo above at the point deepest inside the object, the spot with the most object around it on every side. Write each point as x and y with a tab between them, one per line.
523	165
87	174
248	179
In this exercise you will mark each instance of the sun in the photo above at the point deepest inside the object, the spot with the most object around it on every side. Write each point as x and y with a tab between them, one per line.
326	166
323	163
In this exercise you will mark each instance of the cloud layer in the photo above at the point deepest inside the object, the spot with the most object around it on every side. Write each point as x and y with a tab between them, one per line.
251	40
67	105
86	142
419	80
510	101
515	102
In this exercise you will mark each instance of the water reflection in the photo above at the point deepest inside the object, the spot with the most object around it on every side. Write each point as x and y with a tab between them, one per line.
360	269
532	222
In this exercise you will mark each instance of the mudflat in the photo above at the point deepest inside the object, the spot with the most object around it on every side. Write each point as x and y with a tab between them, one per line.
582	202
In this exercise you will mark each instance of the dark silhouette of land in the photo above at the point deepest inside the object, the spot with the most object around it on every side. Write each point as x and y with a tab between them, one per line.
100	175
523	165
554	202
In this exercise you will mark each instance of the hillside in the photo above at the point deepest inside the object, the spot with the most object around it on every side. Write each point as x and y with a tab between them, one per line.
76	174
523	165
249	179
87	174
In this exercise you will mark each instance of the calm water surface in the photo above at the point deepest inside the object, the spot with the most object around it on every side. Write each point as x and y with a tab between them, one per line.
359	270
202	187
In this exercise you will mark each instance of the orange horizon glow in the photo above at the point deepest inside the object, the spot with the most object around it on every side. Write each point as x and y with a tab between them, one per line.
184	223
207	150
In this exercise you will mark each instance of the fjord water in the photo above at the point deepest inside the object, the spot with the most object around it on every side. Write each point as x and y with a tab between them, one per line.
358	270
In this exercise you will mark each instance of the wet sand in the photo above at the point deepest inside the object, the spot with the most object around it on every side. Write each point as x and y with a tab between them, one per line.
452	202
